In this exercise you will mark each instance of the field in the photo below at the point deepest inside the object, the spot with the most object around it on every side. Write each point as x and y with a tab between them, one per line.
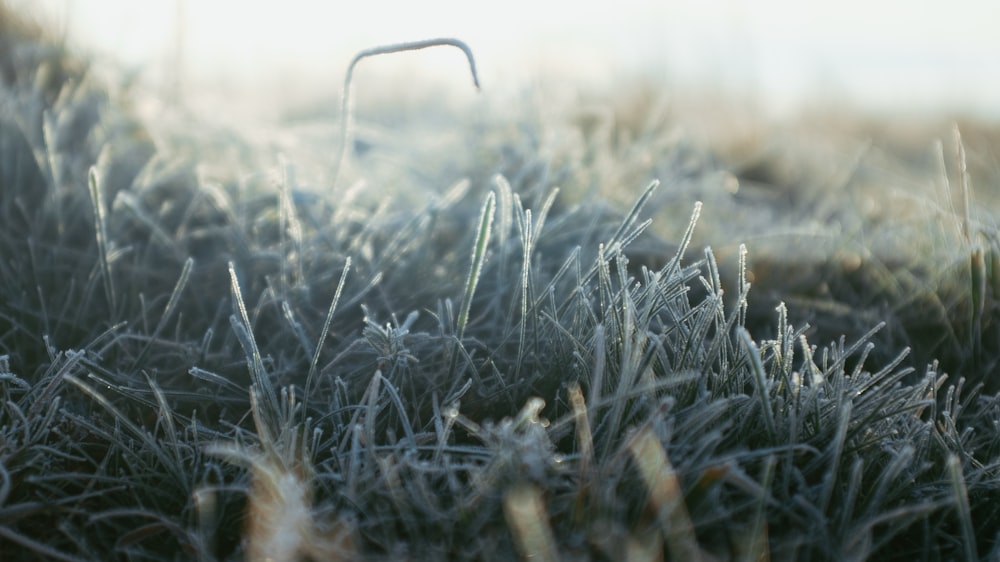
622	325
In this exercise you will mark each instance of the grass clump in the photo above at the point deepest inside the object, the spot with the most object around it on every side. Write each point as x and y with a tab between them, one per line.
197	368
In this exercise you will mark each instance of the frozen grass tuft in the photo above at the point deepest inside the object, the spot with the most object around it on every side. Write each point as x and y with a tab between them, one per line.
215	368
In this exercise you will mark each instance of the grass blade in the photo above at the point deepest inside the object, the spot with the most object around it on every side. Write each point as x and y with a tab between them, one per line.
675	263
244	334
760	376
597	379
149	442
101	228
478	259
35	546
322	336
168	311
758	545
633	215
524	509
665	495
977	264
585	446
527	237
961	493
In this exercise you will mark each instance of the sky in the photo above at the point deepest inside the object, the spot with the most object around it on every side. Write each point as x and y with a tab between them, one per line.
883	55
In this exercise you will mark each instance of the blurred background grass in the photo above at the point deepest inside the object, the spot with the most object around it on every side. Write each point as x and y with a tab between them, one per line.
821	136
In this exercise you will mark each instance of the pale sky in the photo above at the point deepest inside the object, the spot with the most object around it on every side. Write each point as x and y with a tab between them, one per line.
889	54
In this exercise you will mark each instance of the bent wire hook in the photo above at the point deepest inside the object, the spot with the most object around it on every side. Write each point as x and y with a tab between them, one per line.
345	107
